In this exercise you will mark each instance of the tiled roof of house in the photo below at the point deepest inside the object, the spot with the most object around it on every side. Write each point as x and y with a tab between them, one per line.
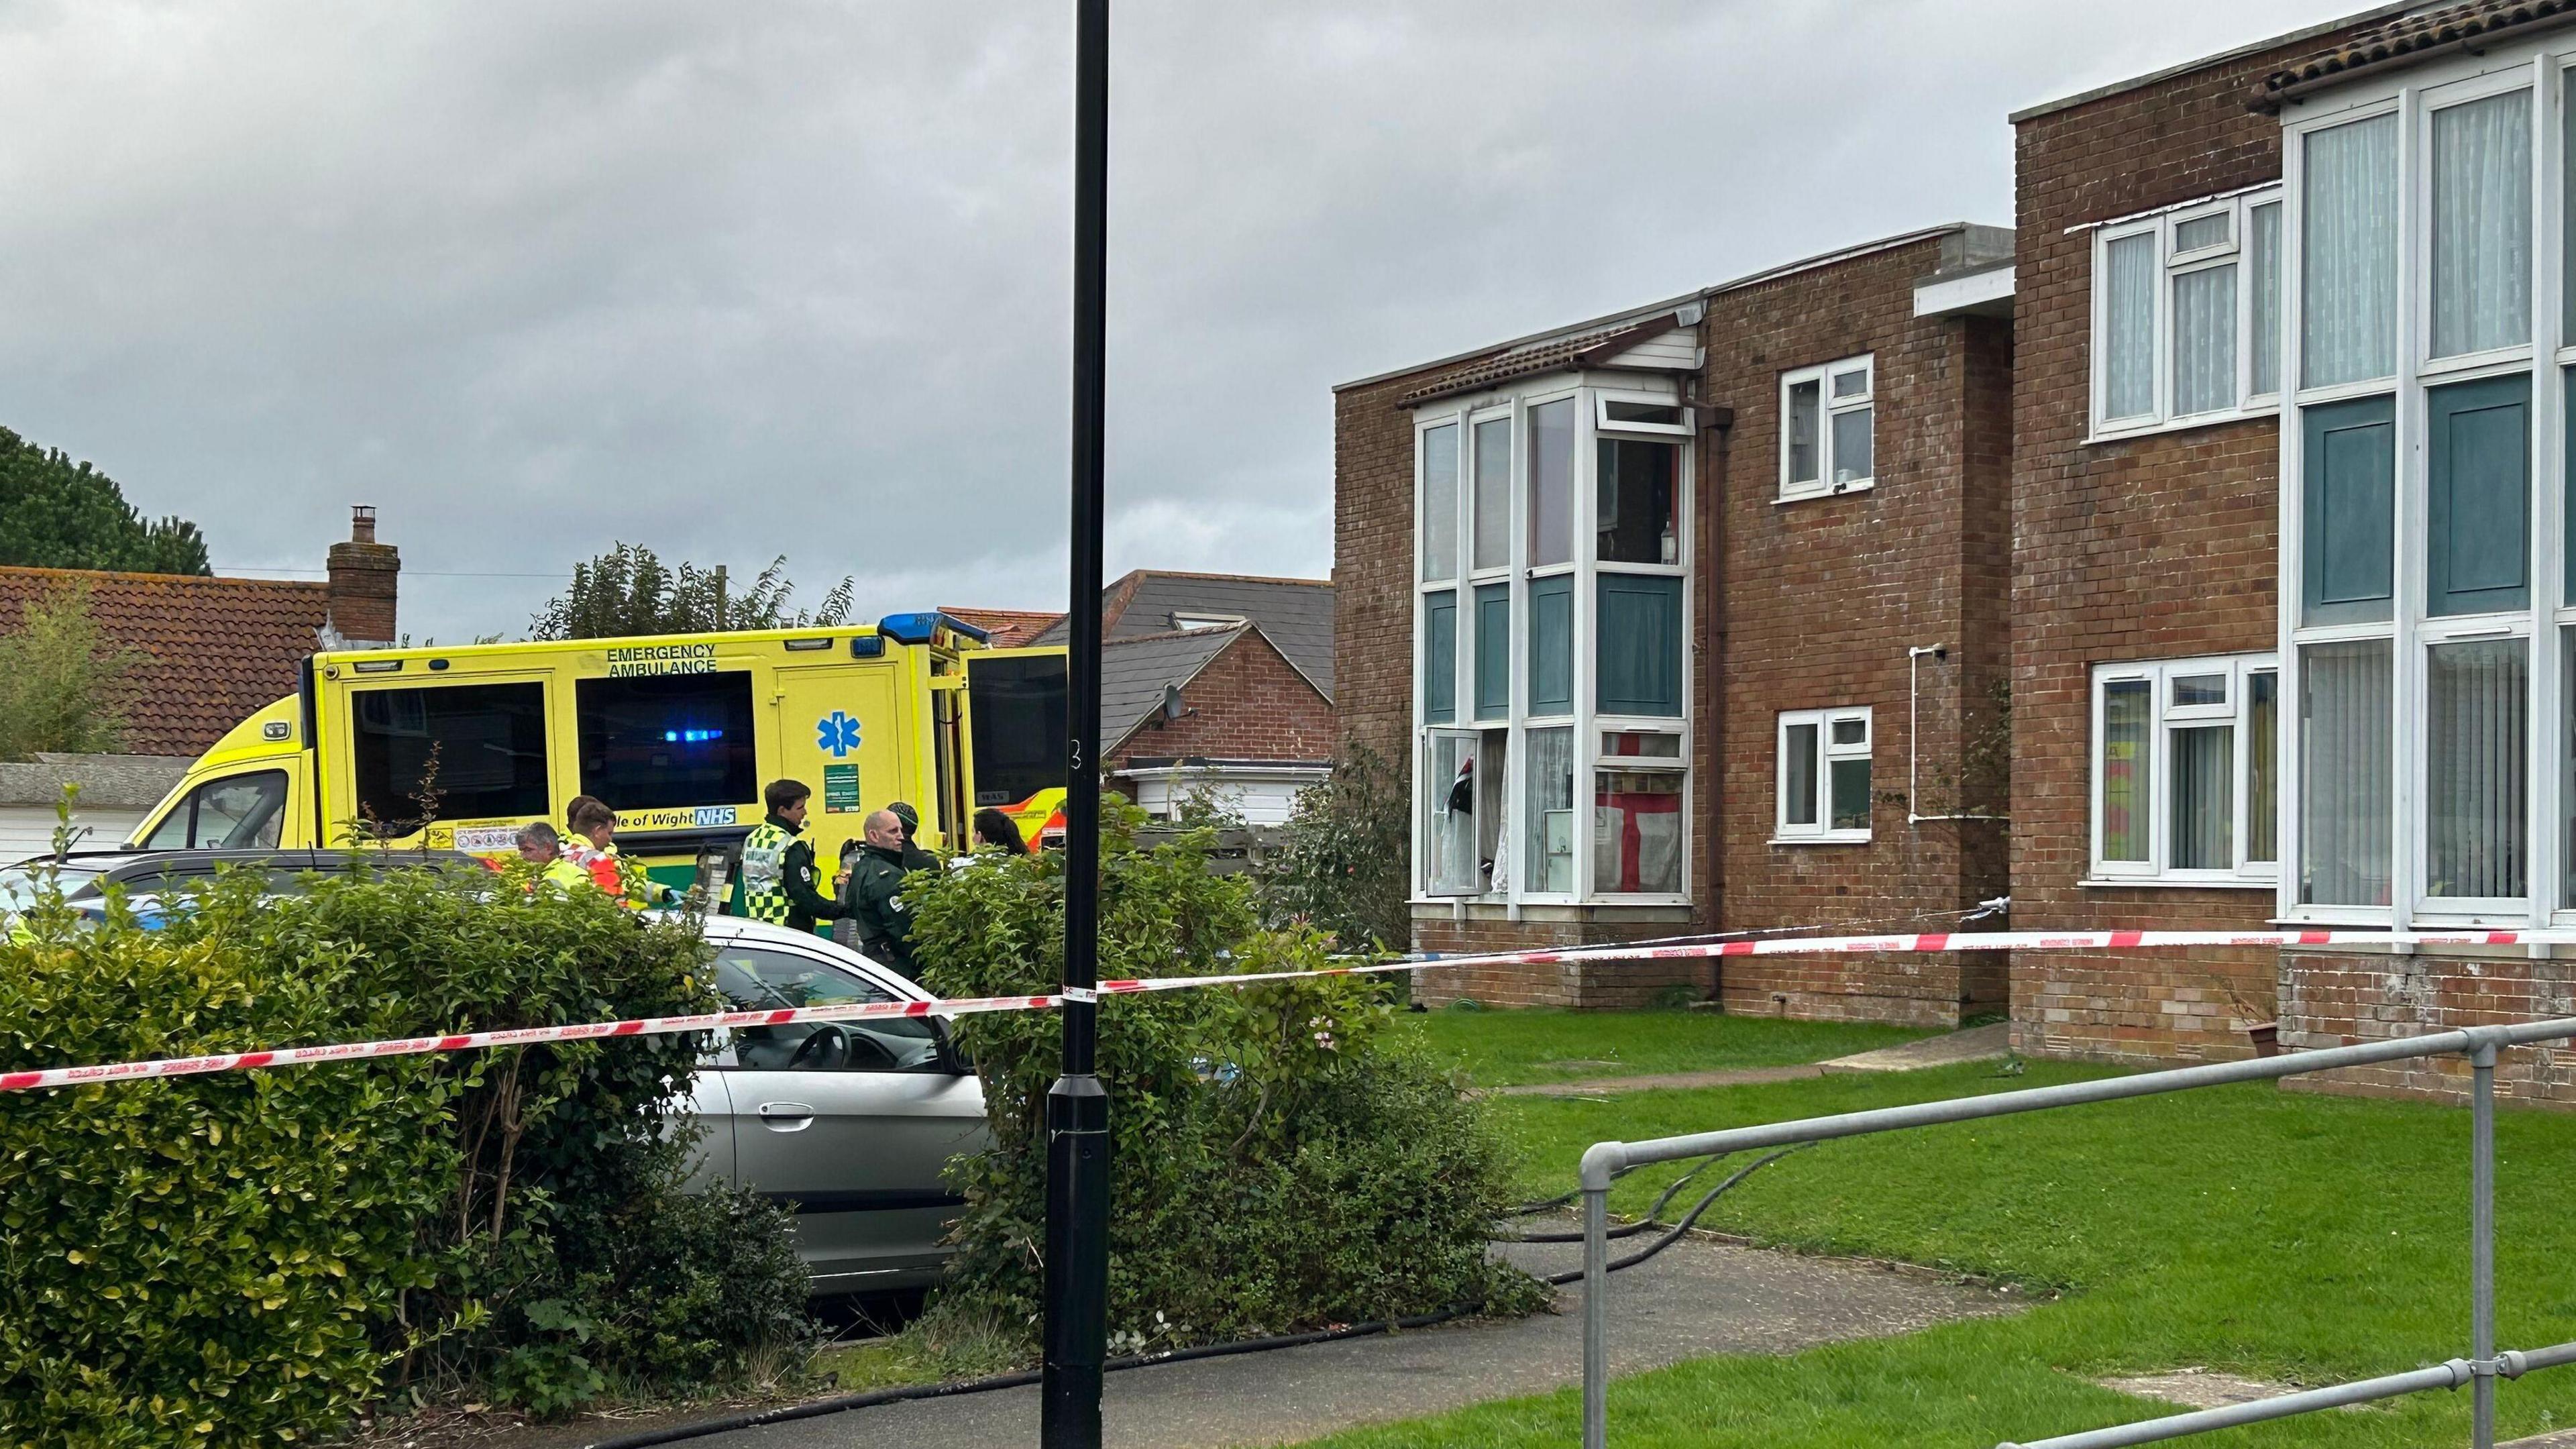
1523	361
1009	628
217	650
1296	615
2415	37
1134	672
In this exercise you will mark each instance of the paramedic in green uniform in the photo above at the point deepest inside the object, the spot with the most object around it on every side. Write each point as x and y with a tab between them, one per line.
778	876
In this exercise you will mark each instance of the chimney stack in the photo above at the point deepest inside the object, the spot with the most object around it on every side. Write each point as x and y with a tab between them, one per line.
364	575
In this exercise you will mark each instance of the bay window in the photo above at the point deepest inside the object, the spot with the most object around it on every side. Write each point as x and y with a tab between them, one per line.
1548	668
2186	314
2425	560
2183	771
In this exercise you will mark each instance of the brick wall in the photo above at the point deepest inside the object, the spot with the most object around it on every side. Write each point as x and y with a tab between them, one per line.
1607	984
2344	998
1249	703
1822	599
1804	605
2155	548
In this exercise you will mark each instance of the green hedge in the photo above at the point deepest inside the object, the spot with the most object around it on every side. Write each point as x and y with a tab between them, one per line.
1280	1158
255	1257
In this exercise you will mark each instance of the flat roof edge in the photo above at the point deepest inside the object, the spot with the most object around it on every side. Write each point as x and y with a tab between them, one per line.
1639	314
2068	103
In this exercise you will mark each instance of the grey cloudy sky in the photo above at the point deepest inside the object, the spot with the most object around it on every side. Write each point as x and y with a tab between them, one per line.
734	280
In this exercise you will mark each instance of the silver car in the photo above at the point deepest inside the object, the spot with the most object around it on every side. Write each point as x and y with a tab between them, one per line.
852	1122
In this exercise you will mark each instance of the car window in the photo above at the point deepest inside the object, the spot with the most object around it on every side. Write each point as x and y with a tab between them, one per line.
754	979
239	812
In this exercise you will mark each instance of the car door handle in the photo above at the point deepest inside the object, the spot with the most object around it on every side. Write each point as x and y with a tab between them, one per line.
786	1116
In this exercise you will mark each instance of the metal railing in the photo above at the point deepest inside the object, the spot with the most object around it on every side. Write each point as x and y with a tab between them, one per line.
1605	1161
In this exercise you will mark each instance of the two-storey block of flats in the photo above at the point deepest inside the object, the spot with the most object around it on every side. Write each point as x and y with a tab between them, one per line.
2294	595
1695	618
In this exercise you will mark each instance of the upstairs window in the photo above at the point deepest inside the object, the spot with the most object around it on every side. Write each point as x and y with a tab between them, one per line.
1824	775
1828	421
2187	315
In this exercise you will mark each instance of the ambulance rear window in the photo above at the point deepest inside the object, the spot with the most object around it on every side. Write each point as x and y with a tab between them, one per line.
668	741
478	749
1019	714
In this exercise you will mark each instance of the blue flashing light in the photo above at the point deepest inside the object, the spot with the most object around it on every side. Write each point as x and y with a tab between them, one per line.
867	646
691	737
908	628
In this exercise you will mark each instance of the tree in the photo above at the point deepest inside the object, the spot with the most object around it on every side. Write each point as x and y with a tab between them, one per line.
629	590
59	678
56	514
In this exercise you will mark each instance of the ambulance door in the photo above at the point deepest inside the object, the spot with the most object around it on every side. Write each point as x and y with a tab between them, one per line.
1016	737
953	816
839	733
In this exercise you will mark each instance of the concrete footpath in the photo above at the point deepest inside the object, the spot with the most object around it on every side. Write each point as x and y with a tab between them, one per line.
1697	1298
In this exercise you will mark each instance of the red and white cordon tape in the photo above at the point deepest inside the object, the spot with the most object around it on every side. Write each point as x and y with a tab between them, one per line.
1928	941
515	1036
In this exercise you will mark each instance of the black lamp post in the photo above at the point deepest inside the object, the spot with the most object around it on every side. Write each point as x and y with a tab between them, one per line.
1077	1110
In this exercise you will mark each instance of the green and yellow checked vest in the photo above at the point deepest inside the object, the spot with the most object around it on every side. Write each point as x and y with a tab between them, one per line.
764	870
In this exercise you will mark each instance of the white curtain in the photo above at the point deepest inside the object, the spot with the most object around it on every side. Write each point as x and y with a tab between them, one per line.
1493	518
2476	696
2482	224
2348	278
2204	797
1550	846
2128	359
1440	503
2264	258
2204	347
2344	824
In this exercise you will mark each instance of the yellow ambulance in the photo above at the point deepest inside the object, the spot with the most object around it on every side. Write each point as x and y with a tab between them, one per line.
457	747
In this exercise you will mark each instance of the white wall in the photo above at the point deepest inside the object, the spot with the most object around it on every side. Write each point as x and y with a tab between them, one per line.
1263	800
27	830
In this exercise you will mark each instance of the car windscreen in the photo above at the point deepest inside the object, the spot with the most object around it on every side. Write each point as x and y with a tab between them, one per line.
22	885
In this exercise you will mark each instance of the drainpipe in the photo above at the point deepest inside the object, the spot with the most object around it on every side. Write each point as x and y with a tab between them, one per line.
1913	741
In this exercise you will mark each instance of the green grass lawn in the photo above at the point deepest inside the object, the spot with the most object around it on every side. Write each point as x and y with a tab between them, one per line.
2291	1237
1539	1044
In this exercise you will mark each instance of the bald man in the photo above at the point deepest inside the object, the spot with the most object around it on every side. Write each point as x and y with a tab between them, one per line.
875	906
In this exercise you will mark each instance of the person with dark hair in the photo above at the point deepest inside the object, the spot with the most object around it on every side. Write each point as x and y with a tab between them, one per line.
592	849
778	868
999	831
914	857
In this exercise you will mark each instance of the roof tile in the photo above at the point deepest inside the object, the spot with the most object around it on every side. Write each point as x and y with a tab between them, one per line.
219	650
2416	35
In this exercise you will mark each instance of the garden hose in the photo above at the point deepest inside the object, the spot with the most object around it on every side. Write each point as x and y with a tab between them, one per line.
1624	1230
817	1408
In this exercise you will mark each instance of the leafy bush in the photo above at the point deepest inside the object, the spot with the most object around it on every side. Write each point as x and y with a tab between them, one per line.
629	590
251	1257
1343	866
1280	1158
59	678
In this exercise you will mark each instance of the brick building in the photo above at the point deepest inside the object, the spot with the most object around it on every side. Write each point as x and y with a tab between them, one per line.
2291	582
213	651
1214	687
1772	662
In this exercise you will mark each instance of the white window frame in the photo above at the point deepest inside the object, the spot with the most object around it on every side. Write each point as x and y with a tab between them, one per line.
1603	422
1821	832
1588	389
2237	251
2543	65
1827	407
2165	717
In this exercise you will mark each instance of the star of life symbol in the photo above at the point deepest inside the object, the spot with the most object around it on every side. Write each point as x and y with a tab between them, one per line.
838	733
